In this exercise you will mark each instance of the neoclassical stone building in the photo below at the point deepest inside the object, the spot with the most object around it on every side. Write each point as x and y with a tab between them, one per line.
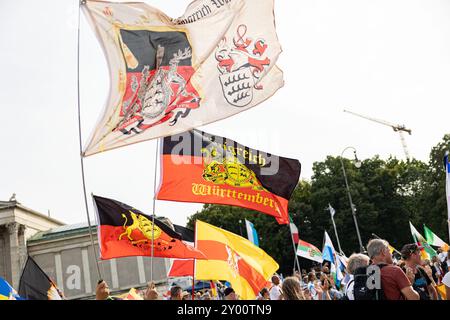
65	254
17	224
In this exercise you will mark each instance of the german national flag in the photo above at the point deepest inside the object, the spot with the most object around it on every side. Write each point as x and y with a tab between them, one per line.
125	231
200	167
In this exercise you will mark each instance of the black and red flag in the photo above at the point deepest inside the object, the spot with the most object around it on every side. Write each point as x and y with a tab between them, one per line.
124	231
203	168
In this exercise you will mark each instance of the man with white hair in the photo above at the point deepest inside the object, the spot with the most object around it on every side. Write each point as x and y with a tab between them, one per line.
356	261
395	284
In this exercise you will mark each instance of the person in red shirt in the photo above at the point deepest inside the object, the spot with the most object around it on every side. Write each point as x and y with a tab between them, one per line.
394	282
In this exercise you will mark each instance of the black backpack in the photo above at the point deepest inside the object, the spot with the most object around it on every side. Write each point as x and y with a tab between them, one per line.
360	289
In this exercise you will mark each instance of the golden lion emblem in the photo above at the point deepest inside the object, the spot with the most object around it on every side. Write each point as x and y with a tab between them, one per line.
229	171
141	223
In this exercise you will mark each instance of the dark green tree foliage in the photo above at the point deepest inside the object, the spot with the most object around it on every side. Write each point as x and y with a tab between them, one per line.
387	194
433	201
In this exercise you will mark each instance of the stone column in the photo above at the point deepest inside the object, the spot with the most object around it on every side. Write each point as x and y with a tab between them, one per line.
14	255
22	247
3	252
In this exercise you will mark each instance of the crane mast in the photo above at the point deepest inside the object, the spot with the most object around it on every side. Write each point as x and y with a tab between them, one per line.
401	129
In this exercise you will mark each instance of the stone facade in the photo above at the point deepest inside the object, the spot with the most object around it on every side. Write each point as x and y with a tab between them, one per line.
17	223
65	254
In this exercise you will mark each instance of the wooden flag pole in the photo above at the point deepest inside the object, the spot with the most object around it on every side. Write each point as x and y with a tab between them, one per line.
82	2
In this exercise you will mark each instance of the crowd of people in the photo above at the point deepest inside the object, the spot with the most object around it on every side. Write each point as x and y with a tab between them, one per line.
373	275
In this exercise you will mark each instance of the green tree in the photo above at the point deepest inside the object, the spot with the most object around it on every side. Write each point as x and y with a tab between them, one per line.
387	195
433	200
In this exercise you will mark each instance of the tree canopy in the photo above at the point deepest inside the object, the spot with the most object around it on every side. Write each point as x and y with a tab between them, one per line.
387	195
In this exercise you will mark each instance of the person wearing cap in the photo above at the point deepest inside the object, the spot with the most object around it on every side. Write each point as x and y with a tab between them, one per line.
394	282
416	274
230	294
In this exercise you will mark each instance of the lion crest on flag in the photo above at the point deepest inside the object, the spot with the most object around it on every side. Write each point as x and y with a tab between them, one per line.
156	96
233	260
241	66
228	170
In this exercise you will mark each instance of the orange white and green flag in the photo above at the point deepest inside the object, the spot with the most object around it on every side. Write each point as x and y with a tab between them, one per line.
427	252
434	240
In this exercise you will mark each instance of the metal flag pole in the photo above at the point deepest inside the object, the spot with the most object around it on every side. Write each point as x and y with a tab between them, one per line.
335	230
195	262
398	252
153	214
82	2
97	255
295	253
352	206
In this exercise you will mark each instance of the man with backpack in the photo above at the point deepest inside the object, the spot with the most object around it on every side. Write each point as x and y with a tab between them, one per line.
395	285
357	261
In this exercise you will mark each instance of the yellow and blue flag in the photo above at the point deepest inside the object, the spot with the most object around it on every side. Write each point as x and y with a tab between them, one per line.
7	292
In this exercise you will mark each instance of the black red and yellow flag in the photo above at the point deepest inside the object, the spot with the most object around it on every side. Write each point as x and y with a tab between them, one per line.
203	168
124	231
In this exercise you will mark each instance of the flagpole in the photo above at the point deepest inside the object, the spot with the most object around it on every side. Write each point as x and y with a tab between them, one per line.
337	237
193	287
373	234
295	253
447	189
335	231
82	2
195	261
153	214
92	241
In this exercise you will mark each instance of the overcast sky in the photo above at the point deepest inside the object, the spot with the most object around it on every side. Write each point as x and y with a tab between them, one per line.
388	59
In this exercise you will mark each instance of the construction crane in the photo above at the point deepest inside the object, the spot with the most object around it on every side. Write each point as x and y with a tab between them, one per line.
397	128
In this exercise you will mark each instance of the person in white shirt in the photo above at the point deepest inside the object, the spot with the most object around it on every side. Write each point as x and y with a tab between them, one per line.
275	290
448	260
446	282
312	286
442	255
356	261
